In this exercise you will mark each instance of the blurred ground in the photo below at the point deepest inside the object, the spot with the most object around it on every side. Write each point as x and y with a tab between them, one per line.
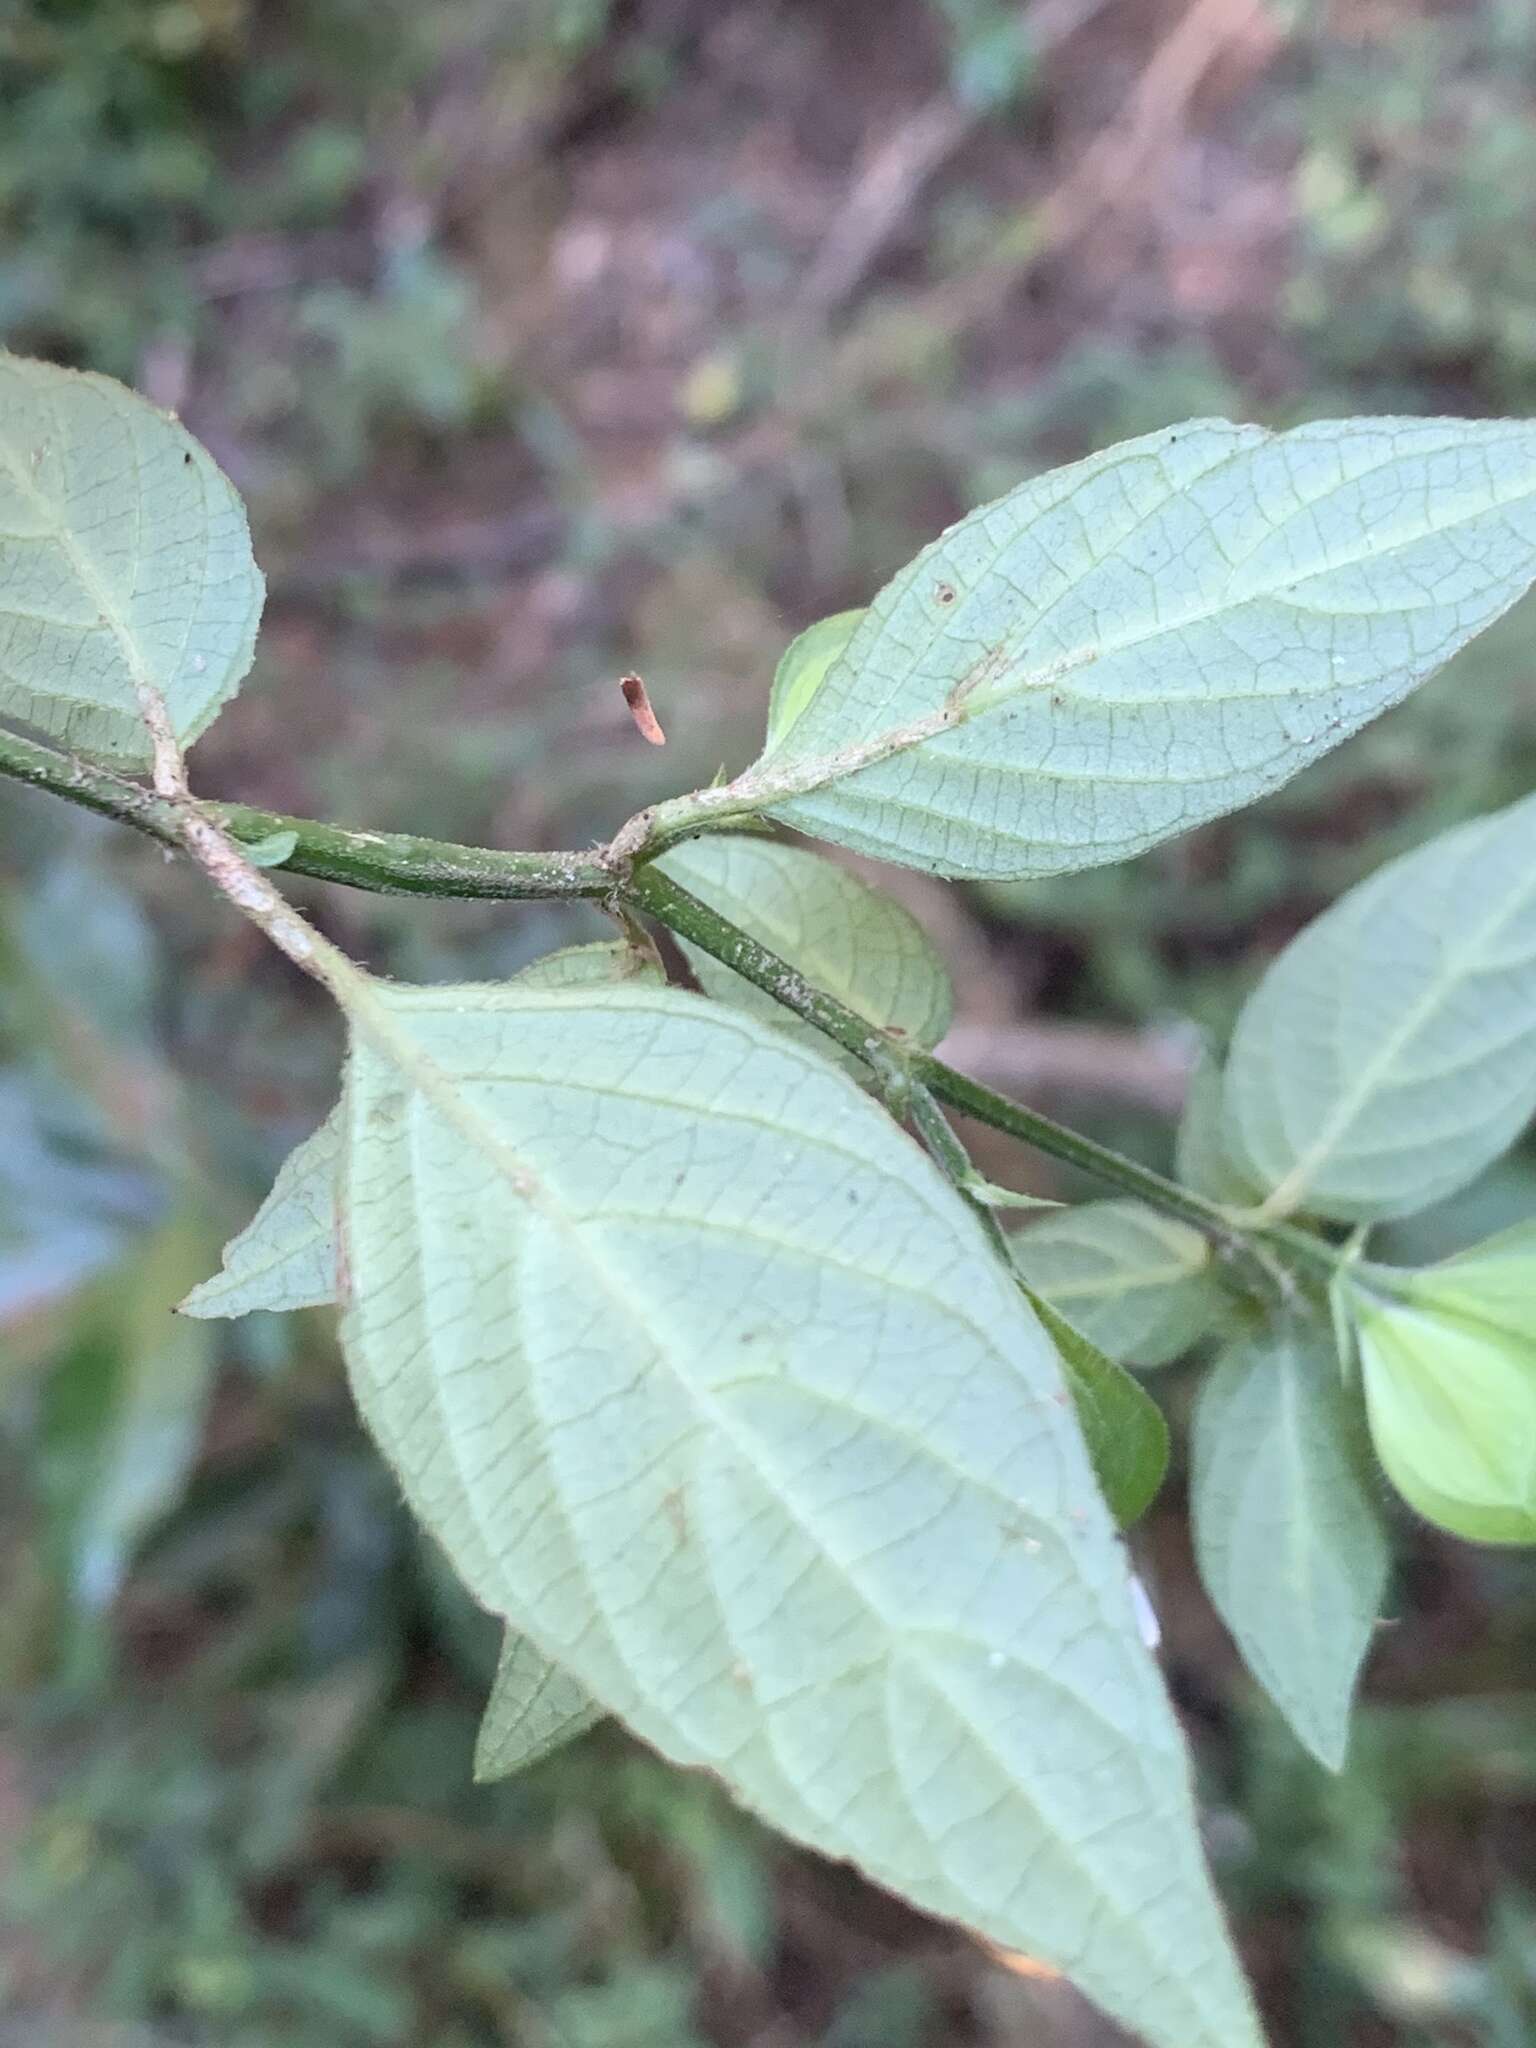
550	339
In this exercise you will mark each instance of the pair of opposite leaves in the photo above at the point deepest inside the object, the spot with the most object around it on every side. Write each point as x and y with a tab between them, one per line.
936	1666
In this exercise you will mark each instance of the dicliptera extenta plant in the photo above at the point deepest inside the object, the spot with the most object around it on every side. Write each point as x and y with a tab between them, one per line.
681	1313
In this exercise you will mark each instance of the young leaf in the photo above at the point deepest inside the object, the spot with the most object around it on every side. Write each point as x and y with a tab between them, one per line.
833	929
1122	1425
590	966
126	560
1288	1539
285	1258
803	668
1448	1357
534	1709
1137	1284
1389	1053
1126	647
709	1383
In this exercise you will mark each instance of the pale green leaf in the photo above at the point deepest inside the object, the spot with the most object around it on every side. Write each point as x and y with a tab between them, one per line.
590	966
534	1709
710	1384
1202	1151
837	933
1121	649
1122	1425
1289	1542
272	851
803	669
1389	1053
1137	1284
285	1258
124	560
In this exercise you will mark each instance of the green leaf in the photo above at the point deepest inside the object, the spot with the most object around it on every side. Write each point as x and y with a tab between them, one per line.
1202	1154
1121	649
1122	1425
1448	1358
124	560
709	1383
1389	1053
803	668
1137	1284
534	1709
285	1258
1289	1543
842	936
272	851
590	966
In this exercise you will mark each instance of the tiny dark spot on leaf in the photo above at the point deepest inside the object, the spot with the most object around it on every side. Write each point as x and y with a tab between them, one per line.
944	593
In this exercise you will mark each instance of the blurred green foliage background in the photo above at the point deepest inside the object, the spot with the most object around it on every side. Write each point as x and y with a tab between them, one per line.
550	339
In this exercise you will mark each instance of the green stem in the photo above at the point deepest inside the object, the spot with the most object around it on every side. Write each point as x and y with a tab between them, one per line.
387	863
650	890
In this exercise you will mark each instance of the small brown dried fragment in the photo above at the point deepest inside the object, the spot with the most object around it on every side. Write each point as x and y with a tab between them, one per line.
639	702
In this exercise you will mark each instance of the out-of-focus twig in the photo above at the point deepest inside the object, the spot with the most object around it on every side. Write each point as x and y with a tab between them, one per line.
894	172
1117	164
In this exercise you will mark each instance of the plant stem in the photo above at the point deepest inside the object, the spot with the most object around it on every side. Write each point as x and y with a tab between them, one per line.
387	863
650	890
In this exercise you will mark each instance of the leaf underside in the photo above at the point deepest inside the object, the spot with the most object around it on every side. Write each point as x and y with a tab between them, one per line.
1137	1284
712	1387
1389	1053
285	1258
125	558
840	935
534	1709
1290	1546
1123	648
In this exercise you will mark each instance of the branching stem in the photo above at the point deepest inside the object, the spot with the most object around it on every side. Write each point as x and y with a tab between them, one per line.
402	864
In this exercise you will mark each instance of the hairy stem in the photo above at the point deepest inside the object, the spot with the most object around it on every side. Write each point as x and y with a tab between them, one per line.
650	890
388	863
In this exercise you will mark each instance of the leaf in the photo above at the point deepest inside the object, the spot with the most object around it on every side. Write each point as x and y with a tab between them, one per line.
1121	649
590	966
534	1709
1288	1539
1202	1156
1122	1425
843	937
803	668
124	559
1137	1284
272	851
708	1383
285	1258
1389	1053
